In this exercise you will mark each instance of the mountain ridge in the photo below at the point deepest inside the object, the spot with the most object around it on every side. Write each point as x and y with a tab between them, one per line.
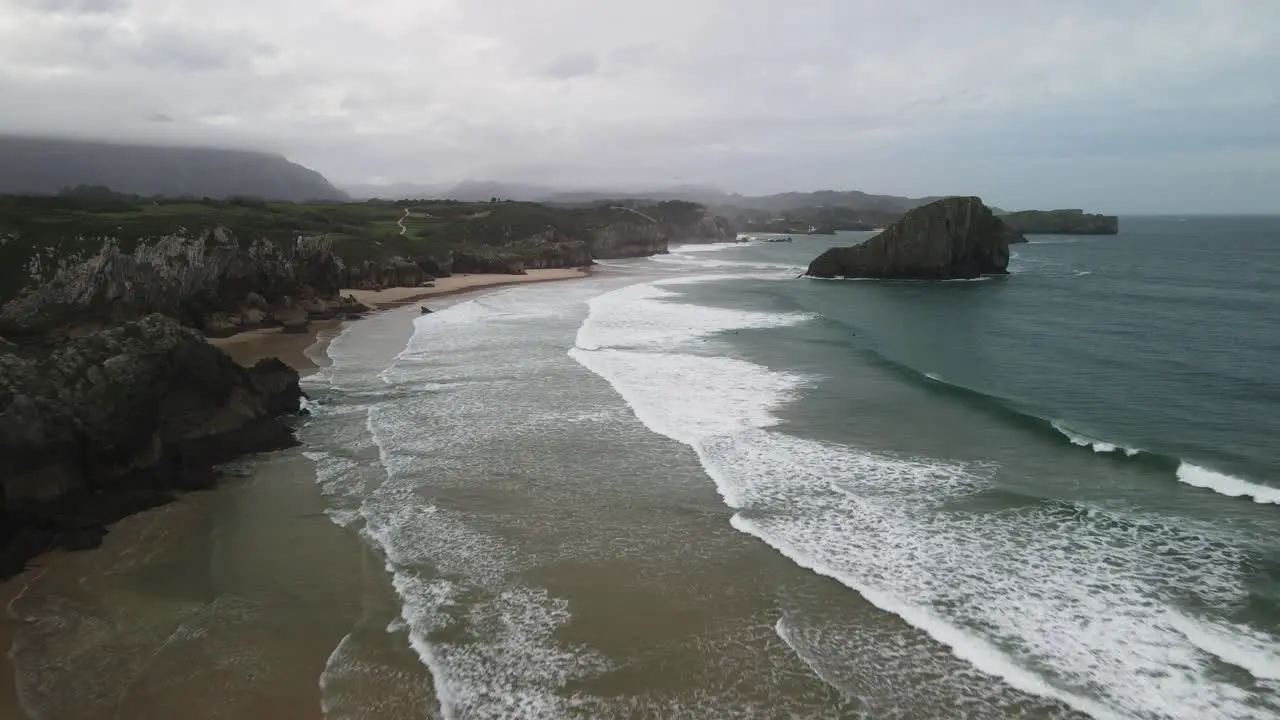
47	166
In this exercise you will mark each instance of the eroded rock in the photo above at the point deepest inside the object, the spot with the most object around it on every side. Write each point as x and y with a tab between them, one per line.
106	424
957	237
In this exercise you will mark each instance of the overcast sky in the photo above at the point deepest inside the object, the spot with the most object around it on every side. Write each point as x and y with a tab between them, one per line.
1116	105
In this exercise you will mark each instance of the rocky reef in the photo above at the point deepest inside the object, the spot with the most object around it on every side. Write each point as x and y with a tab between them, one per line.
956	237
1062	222
115	421
209	280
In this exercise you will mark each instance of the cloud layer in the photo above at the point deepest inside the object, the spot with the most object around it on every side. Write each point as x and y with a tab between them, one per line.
1116	105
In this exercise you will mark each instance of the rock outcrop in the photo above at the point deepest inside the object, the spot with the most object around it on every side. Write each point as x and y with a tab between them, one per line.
709	229
209	280
485	261
957	237
114	421
628	238
1062	222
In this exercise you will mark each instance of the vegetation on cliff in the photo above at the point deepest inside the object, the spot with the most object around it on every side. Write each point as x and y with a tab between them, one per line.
1062	222
442	236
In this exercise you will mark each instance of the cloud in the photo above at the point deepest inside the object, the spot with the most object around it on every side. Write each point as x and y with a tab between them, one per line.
82	7
916	97
571	65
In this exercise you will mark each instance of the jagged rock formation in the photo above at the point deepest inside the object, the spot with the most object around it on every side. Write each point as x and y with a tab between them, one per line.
1062	222
956	237
112	422
43	166
209	280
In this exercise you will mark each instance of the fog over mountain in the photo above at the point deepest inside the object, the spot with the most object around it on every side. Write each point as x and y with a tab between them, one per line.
1131	107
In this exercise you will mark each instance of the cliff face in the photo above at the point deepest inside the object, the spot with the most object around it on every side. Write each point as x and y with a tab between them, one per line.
628	238
955	237
639	233
1062	222
45	166
550	249
711	228
112	422
208	280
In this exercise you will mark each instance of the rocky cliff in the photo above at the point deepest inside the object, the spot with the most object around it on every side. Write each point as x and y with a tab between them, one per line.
649	231
956	237
710	228
209	280
548	249
628	238
1062	222
112	422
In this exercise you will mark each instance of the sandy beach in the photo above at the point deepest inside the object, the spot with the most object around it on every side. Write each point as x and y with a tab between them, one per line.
176	542
299	350
396	297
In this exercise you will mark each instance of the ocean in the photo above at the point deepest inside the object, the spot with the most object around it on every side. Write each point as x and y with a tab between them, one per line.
699	486
696	485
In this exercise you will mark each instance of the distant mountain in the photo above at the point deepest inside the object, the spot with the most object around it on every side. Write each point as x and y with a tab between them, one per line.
398	191
45	166
850	199
479	191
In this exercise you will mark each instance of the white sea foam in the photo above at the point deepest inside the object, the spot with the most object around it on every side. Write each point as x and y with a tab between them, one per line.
642	317
1098	446
1228	485
1047	597
704	263
502	659
1255	652
706	247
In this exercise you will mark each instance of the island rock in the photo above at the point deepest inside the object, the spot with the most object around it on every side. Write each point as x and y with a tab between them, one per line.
956	237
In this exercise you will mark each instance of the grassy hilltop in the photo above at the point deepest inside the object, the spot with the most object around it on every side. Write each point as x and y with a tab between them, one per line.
78	221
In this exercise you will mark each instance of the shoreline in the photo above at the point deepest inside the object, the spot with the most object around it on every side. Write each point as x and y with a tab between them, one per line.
296	349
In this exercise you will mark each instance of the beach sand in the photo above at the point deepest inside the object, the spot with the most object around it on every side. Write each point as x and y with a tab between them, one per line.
300	350
249	585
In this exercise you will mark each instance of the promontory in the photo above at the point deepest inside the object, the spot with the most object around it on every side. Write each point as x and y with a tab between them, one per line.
1062	222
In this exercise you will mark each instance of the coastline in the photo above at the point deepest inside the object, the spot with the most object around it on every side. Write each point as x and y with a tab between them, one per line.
303	352
297	349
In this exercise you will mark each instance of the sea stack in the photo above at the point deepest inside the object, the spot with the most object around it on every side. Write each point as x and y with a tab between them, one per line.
952	238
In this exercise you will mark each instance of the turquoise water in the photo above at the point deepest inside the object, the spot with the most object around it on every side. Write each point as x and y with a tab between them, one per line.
698	486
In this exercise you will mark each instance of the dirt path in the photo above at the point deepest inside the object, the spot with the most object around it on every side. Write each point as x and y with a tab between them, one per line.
637	212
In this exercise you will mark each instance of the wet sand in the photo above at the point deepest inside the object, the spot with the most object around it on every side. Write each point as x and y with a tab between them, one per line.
300	350
228	603
223	604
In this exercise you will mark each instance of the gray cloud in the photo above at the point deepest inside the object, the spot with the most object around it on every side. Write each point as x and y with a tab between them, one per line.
1024	103
79	7
571	65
